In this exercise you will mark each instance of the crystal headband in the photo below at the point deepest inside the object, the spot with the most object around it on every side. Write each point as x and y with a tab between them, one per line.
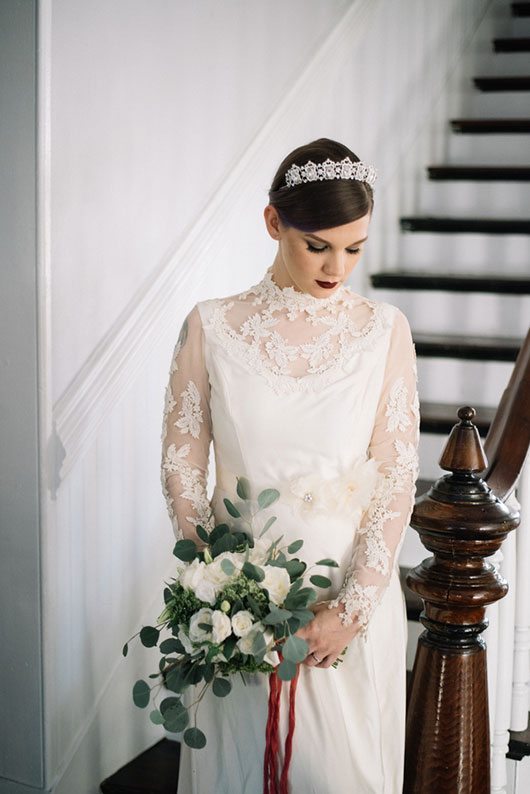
329	169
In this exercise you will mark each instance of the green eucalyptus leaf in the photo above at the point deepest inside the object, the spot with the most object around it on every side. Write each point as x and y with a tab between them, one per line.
149	636
185	550
286	670
320	581
125	649
268	497
171	645
209	672
227	566
295	649
194	737
168	595
232	509
257	608
243	488
225	543
218	532
229	646
141	694
276	615
202	533
295	567
293	547
268	524
156	717
259	645
221	687
253	571
176	718
329	562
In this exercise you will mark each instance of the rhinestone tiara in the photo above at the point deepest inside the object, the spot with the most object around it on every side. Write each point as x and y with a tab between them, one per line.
329	169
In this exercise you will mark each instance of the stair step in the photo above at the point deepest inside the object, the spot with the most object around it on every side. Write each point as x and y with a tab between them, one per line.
155	771
504	83
520	9
471	348
480	173
472	225
440	418
512	44
492	125
457	282
519	743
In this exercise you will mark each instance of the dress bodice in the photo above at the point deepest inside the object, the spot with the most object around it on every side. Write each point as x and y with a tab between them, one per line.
314	396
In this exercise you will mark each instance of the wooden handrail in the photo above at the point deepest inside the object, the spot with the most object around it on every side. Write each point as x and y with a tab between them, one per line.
508	439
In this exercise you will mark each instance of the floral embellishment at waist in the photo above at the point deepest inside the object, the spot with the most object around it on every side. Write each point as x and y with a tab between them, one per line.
349	492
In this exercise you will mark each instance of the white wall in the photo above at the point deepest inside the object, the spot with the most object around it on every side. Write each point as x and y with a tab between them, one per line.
137	224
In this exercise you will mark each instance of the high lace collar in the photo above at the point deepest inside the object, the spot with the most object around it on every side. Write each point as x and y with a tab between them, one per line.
270	292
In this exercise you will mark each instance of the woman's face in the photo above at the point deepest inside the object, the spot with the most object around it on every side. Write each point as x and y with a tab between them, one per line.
305	258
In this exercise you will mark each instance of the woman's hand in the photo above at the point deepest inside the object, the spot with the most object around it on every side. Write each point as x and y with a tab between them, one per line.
326	635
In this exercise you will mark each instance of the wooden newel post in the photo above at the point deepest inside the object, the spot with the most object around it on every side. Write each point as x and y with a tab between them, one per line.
461	522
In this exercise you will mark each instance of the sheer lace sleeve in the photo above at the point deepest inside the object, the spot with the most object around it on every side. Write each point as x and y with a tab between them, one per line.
186	433
394	444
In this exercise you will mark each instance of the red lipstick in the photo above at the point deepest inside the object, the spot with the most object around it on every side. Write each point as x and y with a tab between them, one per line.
326	284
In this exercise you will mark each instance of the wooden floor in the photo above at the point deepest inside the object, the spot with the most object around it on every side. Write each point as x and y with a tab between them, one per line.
155	771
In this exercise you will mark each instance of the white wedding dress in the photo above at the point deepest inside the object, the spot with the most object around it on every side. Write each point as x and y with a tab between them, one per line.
299	393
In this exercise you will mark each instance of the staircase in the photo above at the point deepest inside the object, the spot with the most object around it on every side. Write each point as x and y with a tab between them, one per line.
479	175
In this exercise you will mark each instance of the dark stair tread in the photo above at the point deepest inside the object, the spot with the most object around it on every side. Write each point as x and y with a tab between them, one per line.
432	223
520	9
519	744
155	771
503	83
457	282
485	173
440	418
477	348
512	44
491	125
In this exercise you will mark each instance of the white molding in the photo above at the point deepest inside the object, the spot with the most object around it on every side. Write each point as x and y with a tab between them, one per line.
115	362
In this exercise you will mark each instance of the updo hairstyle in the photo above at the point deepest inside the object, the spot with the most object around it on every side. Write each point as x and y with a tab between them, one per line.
323	204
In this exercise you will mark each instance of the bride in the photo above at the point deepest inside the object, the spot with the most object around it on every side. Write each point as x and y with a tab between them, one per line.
308	387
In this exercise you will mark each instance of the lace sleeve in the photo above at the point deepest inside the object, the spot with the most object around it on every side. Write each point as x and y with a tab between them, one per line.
394	444
186	433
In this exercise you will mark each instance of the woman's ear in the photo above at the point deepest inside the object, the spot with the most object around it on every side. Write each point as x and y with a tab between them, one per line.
272	221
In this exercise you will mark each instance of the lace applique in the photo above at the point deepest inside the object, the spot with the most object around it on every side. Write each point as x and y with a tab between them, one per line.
175	462
258	344
362	600
397	408
191	411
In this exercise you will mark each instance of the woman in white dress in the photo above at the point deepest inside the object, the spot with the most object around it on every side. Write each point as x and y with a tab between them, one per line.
305	386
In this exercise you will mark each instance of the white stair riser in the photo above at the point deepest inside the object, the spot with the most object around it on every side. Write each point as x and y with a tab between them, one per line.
430	450
458	253
475	199
496	104
475	313
494	149
498	64
460	381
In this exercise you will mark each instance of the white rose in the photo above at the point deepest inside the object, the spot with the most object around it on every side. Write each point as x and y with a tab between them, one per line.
242	622
206	591
271	657
197	634
260	553
192	574
222	627
245	643
277	582
215	574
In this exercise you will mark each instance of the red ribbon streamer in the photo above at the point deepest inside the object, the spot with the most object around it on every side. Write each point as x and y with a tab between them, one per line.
272	744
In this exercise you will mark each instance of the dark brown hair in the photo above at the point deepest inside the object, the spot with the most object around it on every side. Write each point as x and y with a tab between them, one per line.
324	204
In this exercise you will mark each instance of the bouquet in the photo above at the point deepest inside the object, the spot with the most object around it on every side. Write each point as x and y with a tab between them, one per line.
233	607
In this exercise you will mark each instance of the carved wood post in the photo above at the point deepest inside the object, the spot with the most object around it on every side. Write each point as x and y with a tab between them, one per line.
461	522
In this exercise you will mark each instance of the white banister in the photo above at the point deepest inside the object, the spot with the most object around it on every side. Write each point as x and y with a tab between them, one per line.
521	668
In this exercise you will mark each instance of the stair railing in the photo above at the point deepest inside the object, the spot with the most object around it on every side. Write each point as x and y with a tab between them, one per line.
463	520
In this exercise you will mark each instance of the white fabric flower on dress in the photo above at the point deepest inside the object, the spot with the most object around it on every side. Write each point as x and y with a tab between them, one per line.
350	492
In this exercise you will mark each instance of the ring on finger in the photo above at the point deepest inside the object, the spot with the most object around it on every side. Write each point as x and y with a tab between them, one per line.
317	660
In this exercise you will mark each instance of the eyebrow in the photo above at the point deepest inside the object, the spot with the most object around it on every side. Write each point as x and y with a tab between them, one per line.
321	240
